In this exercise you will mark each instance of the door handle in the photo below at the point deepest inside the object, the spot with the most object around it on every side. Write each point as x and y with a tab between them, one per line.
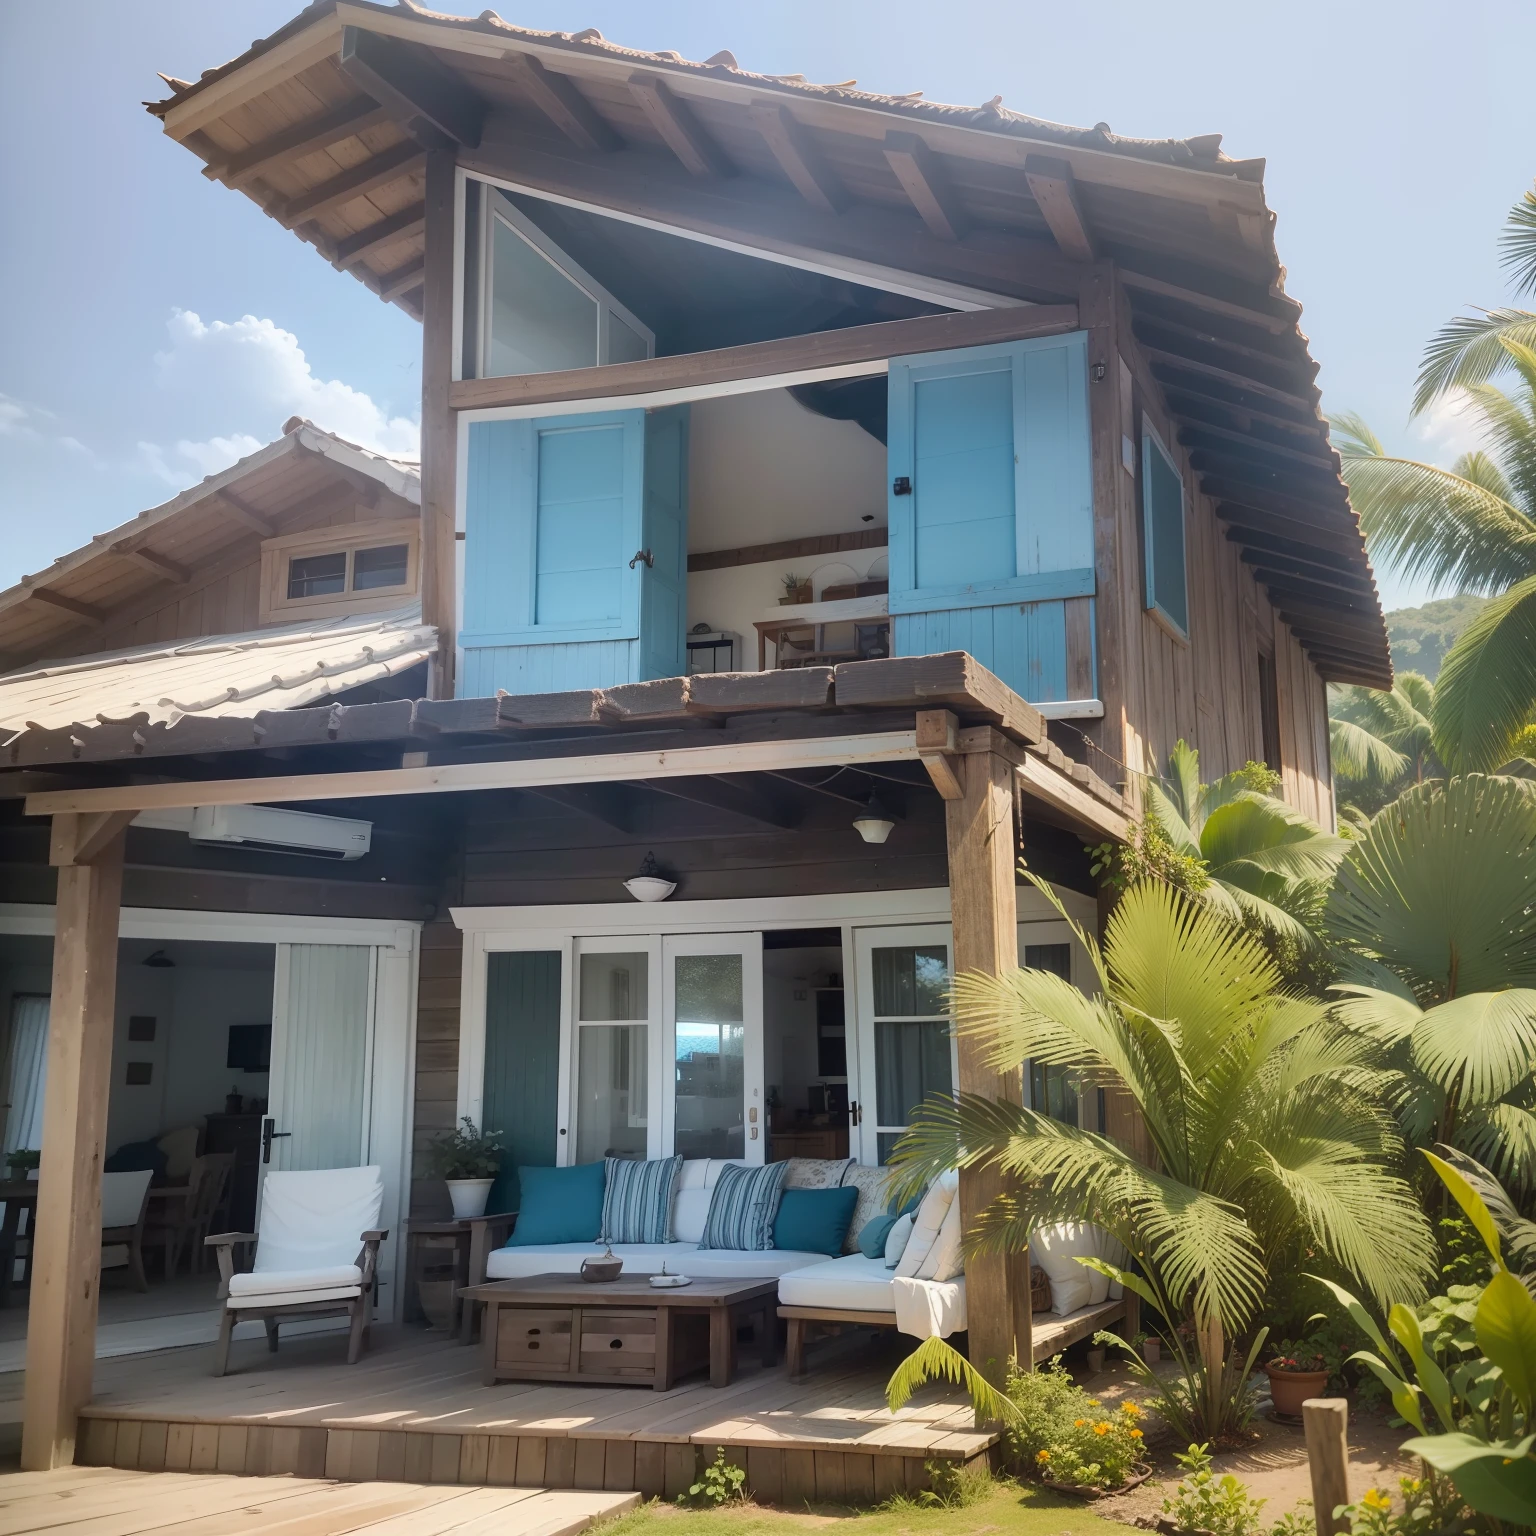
901	485
268	1136
855	1113
642	555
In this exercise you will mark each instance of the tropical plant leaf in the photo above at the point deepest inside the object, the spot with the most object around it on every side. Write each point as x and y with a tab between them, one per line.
1485	1042
1517	244
1506	1332
1470	350
936	1360
1487	686
1358	754
1439	891
1467	1197
1495	1478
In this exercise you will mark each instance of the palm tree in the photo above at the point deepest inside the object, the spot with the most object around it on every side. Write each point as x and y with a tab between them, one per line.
1382	742
1470	350
1264	863
1267	1130
1435	932
1472	527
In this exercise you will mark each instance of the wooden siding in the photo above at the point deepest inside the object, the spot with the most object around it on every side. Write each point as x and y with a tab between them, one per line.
1203	689
1026	644
437	1057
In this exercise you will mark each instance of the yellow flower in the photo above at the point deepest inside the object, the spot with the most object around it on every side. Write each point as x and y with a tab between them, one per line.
1132	1409
1376	1499
1078	1423
1042	1457
1093	1402
1136	1434
1102	1429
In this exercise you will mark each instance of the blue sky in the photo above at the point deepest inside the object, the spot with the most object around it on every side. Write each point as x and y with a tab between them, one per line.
157	325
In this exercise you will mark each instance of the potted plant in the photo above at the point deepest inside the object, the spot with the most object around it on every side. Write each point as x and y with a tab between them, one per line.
1297	1372
23	1162
1149	1347
466	1161
797	589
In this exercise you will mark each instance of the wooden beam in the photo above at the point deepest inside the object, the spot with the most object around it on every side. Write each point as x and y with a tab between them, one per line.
673	119
787	549
1312	582
1156	355
1309	430
92	835
799	157
1055	789
926	183
730	795
1050	183
437	107
156	565
69	605
1274	324
243	512
1246	510
763	214
1281	372
66	1245
790	354
439	444
1199	434
391	165
606	803
398	226
979	830
815	752
306	138
411	275
938	746
559	98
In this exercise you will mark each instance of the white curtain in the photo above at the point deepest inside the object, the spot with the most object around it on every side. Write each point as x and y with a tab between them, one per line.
325	1049
28	1072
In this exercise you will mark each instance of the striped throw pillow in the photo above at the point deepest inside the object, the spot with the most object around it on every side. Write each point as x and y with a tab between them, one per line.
743	1207
637	1200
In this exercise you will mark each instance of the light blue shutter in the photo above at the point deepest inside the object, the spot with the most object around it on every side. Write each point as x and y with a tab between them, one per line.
996	531
664	583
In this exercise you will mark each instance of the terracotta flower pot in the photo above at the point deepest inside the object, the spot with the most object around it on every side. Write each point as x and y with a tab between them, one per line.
1288	1390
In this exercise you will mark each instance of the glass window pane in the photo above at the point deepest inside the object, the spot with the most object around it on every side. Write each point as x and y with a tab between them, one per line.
625	344
611	1062
382	567
539	319
317	575
615	987
911	983
1049	957
1053	1091
710	1064
911	1061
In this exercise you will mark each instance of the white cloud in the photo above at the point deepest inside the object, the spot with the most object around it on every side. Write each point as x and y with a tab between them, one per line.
237	382
19	418
1449	428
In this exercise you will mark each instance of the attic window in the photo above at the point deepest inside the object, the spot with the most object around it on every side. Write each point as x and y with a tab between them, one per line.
344	568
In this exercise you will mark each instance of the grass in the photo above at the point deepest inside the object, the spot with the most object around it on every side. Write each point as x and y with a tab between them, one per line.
1008	1509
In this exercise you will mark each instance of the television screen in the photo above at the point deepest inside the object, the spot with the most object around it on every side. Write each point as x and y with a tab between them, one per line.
250	1048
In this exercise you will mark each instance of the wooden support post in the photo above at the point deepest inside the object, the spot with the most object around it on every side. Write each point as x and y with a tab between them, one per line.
87	849
439	425
984	913
1326	1420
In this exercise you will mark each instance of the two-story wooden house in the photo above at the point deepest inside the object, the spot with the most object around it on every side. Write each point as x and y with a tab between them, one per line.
830	495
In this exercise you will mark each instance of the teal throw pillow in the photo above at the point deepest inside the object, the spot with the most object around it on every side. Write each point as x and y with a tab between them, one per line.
814	1220
559	1205
872	1238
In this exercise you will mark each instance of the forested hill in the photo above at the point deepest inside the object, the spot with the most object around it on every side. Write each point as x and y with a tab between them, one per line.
1420	637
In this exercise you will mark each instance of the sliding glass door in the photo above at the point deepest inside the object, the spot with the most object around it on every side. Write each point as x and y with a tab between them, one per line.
615	1040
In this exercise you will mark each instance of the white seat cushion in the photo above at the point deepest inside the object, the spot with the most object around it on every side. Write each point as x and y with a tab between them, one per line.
851	1283
1056	1249
267	1281
927	1222
295	1298
565	1259
732	1263
315	1219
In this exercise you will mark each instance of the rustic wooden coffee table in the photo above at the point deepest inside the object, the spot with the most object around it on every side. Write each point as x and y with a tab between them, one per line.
563	1328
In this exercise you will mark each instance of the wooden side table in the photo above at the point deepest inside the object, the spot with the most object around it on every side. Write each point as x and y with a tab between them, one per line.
561	1328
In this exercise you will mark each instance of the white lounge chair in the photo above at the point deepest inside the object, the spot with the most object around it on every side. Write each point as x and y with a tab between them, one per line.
306	1264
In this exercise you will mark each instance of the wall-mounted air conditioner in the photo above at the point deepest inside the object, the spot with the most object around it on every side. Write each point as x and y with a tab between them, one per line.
263	829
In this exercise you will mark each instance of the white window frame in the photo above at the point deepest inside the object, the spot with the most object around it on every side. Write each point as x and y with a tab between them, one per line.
338	539
496	205
569	1128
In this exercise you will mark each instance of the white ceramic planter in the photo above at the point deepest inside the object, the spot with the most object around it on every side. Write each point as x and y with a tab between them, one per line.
468	1196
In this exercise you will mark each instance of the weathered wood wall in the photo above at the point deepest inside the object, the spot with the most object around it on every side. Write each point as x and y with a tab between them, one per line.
1159	687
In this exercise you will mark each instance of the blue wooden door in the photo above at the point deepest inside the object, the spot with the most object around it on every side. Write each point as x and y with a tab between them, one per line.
558	511
991	506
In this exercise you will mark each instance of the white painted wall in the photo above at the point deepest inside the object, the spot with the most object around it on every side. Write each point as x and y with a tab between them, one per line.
205	1004
762	468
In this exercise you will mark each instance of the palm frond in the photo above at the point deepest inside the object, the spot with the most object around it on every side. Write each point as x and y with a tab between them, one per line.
1163	811
1517	244
1359	755
1487	687
936	1360
1482	1042
1482	470
1469	350
1504	1137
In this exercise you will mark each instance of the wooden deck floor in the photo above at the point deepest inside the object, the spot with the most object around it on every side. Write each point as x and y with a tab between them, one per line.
414	1410
100	1501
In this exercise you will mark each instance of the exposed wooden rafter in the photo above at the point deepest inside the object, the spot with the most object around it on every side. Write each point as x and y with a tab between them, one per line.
358	182
69	605
1162	359
926	183
734	795
410	276
1275	324
435	106
398	226
256	521
1051	182
157	565
1176	337
559	98
799	158
307	138
611	804
673	119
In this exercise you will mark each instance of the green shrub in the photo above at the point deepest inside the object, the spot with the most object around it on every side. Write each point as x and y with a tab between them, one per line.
721	1482
951	1485
1205	1502
1066	1436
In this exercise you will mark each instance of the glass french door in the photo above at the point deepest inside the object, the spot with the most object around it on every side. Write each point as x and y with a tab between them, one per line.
906	1049
616	1049
712	1042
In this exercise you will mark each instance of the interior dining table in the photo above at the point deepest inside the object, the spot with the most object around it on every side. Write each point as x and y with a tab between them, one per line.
18	1195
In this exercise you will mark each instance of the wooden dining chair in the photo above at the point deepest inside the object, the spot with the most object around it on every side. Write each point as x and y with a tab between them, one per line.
124	1206
211	1174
